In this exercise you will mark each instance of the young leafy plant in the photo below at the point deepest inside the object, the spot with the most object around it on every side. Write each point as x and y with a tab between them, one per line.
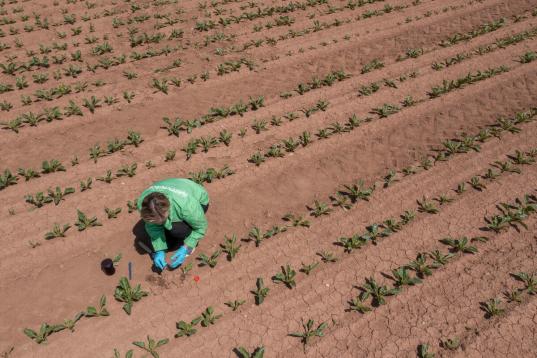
209	261
44	331
230	247
38	200
125	293
357	304
425	206
459	245
309	331
151	346
83	222
259	352
57	195
185	329
208	317
100	311
377	292
296	220
287	276
492	307
309	267
260	292
112	213
319	208
57	231
234	305
402	277
127	170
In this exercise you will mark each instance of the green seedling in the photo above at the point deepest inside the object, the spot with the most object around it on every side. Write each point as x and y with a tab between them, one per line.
234	305
83	222
390	178
170	155
186	268
296	220
351	243
423	351
57	195
290	144
28	173
134	138
407	217
386	110
128	354
260	292
74	161
125	293
225	137
86	185
112	213
305	138
287	276
185	329
275	151
402	277
420	266
451	343
308	268
326	256
149	164
425	206
528	57
513	296
439	259
476	184
521	158
444	199
127	170
529	280
209	261
128	96
259	125
459	245
7	179
391	225
259	352
160	85
52	166
115	145
273	231
14	124
207	142
358	191
92	103
461	188
373	65
44	331
309	331
106	178
408	171
492	307
319	208
506	167
39	200
230	247
190	148
131	206
357	304
57	231
341	200
151	346
99	311
208	317
257	158
255	235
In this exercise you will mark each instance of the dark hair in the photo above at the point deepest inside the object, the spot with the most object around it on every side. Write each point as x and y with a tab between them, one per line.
155	208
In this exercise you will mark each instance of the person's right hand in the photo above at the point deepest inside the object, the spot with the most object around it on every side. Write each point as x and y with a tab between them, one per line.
159	259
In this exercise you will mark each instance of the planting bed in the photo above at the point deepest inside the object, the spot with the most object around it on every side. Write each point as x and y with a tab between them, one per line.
371	167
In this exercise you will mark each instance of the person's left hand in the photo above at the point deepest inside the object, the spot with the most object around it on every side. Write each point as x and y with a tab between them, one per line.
179	257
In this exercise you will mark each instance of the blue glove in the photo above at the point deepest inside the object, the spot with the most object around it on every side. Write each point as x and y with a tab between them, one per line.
159	259
180	255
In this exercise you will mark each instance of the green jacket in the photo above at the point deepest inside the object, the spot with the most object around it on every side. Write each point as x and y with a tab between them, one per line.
186	198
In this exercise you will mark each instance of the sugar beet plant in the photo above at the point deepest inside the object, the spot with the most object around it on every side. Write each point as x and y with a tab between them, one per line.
151	345
125	293
83	221
309	331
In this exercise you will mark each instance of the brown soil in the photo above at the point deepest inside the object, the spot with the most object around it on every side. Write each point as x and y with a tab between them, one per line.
48	281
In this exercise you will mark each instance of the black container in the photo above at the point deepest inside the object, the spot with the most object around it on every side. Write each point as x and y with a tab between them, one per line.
107	265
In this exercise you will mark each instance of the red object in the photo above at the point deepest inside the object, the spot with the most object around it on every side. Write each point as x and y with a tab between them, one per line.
197	278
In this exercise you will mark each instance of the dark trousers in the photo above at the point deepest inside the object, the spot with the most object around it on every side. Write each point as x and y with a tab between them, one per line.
179	232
